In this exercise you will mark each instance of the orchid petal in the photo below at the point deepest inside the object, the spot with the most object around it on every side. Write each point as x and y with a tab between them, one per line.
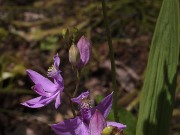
70	127
56	61
38	89
54	72
79	99
82	129
58	101
104	106
84	47
58	80
38	102
97	123
115	124
46	84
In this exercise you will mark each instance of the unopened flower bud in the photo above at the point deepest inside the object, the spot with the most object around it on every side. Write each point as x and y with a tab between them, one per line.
84	47
111	130
74	55
65	33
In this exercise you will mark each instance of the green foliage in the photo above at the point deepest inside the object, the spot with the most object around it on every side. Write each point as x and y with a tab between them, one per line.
10	69
49	43
160	81
99	98
127	118
3	33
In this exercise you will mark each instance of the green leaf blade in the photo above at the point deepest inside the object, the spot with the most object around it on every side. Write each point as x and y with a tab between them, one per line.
159	87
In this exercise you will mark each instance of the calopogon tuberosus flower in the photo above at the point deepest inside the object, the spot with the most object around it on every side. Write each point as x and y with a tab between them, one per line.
47	90
84	47
91	120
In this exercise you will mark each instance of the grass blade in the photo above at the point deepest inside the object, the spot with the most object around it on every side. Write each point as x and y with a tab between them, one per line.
160	81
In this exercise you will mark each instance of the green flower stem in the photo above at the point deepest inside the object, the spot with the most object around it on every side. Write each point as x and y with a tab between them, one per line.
71	104
78	72
111	53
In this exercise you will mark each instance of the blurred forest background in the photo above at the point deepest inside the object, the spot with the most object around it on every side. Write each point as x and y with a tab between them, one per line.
30	35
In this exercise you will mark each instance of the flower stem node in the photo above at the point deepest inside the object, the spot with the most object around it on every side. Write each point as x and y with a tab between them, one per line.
74	55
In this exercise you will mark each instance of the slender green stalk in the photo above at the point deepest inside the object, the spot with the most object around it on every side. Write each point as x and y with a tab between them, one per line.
78	73
71	104
111	53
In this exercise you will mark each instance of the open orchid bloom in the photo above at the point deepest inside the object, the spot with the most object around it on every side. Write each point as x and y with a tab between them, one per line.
84	124
84	47
47	89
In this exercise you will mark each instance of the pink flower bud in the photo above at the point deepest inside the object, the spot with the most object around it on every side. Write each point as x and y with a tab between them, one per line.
84	47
